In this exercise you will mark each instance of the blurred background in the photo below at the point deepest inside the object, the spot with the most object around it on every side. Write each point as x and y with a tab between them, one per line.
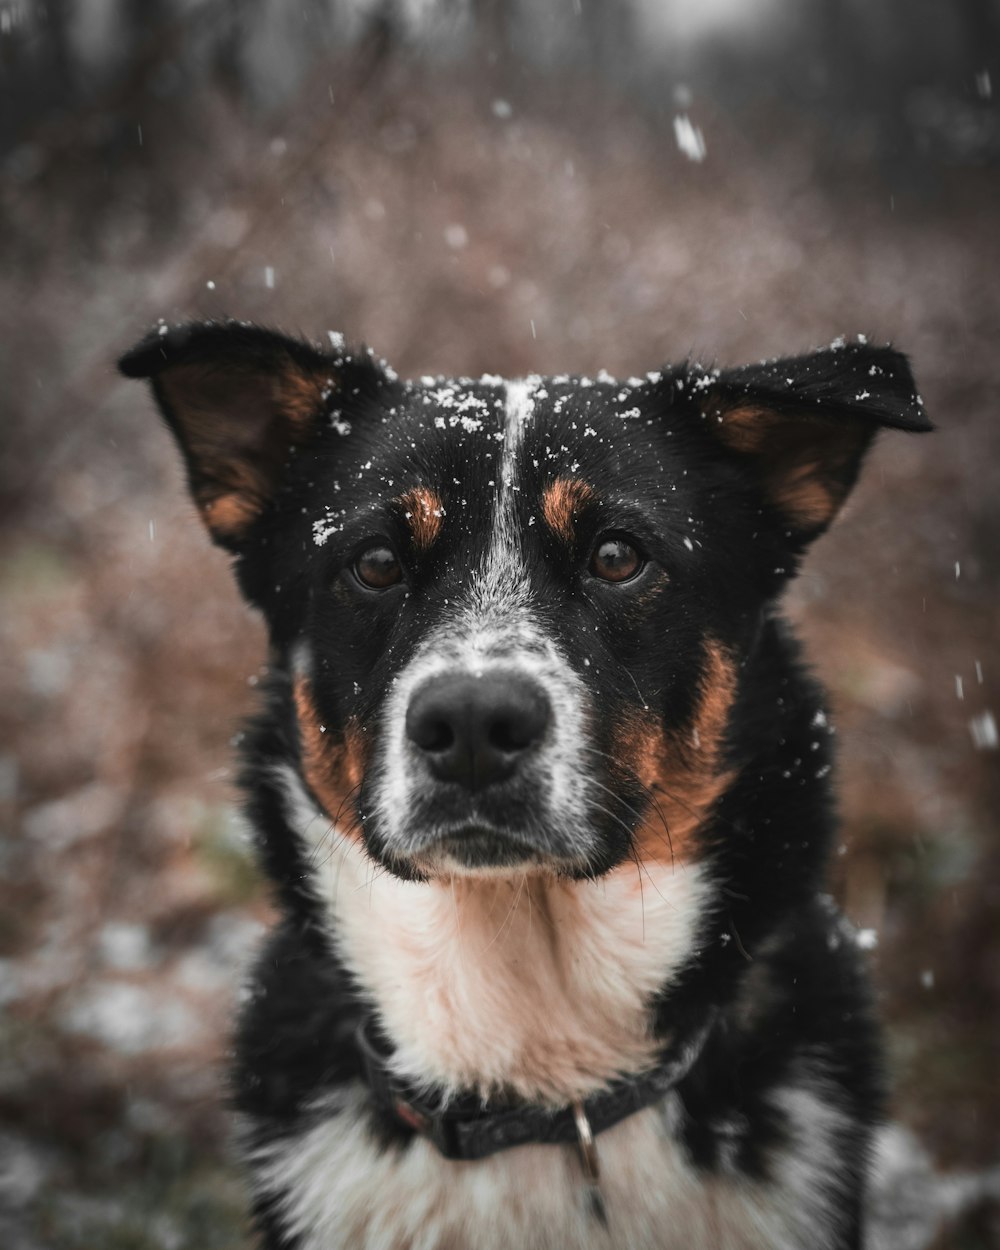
469	186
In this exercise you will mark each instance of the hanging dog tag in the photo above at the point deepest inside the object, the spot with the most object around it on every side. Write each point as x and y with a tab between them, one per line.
591	1164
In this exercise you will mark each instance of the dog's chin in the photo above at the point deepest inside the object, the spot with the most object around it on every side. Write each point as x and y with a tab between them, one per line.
484	852
478	851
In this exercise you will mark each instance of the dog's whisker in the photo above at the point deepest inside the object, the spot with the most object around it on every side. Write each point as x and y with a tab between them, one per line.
652	798
672	795
509	918
335	831
642	895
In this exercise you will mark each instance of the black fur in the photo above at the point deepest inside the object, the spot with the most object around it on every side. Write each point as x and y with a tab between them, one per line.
702	488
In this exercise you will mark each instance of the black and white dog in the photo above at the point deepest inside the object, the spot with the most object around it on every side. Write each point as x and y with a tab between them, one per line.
544	793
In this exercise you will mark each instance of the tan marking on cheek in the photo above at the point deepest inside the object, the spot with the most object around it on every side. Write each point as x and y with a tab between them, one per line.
562	501
681	769
332	769
424	512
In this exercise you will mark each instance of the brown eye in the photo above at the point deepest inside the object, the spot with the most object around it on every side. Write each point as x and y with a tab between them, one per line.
378	568
615	560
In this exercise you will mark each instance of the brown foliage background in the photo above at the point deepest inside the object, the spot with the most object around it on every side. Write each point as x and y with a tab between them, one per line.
463	210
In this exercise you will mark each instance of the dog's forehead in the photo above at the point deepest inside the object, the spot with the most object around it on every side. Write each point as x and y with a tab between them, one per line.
474	432
464	456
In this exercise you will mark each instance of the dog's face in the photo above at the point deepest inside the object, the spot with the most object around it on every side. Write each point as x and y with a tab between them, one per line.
515	615
503	627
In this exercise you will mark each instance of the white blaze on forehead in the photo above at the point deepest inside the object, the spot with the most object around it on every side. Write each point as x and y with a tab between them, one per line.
501	581
520	406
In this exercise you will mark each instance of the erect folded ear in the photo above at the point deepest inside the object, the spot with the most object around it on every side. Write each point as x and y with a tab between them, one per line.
237	398
804	424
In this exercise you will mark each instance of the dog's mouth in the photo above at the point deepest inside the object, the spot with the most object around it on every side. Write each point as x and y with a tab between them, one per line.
483	849
478	847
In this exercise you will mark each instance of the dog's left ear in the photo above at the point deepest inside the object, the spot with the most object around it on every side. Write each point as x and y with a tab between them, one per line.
803	424
238	399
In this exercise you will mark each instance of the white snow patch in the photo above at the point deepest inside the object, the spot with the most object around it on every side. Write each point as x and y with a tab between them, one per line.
983	729
124	946
327	525
689	138
131	1018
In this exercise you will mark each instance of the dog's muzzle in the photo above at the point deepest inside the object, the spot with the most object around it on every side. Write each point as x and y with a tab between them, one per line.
476	744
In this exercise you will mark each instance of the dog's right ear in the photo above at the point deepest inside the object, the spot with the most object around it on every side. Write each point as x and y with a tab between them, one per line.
238	398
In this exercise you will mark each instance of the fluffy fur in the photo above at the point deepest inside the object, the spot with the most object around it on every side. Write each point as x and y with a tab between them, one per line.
649	856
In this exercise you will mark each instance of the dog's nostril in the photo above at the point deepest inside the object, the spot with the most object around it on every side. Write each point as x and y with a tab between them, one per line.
435	735
519	727
428	726
505	736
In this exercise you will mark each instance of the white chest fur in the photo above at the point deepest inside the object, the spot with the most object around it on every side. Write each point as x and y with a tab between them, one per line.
536	985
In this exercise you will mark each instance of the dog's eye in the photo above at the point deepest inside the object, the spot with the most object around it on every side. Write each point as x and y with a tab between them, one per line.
377	568
615	560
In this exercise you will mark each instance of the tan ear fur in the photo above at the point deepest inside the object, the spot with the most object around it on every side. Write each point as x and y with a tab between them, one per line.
236	427
804	423
806	464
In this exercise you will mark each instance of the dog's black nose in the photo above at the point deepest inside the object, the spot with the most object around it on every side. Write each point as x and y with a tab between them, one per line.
476	730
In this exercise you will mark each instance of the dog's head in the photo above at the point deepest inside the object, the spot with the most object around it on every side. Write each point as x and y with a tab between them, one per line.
514	614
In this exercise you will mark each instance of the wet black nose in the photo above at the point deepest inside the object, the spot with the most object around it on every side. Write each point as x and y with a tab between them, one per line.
476	730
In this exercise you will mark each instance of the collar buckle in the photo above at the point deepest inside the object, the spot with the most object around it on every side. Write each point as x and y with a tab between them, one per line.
586	1143
591	1163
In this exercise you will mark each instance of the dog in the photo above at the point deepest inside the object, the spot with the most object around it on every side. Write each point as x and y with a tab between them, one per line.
543	790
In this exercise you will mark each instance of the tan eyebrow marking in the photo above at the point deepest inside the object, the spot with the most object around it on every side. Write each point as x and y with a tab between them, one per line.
332	769
424	512
561	501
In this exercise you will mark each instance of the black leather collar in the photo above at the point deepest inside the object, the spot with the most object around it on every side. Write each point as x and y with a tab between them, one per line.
467	1128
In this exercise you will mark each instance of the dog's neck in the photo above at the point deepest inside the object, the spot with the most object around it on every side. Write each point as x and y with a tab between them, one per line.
535	986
